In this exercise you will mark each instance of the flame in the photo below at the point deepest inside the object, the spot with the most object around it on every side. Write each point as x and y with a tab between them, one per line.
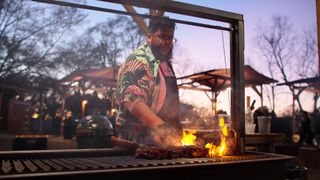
224	128
222	148
188	138
227	134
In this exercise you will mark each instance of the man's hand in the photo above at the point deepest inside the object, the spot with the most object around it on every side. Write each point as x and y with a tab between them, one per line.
167	135
161	134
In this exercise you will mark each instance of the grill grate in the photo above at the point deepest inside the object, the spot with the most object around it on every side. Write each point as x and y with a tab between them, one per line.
20	166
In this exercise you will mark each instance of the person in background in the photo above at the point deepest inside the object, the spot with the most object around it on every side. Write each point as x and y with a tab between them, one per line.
305	131
147	90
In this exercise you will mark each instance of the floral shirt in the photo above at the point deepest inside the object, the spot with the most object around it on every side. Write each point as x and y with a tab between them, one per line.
139	80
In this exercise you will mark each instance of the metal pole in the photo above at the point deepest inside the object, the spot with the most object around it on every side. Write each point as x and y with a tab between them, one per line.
318	29
237	82
75	5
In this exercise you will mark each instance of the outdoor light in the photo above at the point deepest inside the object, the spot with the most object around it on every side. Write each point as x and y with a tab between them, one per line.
35	115
84	102
295	137
113	111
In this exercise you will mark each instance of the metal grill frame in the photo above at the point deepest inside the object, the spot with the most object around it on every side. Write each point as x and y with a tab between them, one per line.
127	166
236	30
264	168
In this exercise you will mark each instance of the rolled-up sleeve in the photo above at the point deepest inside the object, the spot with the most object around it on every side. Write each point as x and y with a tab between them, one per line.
132	82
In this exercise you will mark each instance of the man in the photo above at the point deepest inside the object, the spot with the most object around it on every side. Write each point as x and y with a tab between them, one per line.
148	96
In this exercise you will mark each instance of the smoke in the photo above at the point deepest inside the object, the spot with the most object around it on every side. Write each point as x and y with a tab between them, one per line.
163	136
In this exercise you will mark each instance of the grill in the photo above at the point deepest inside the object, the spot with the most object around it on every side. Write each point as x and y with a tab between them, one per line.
110	163
114	163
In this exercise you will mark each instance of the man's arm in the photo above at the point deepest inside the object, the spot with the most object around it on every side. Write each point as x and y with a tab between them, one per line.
162	133
146	115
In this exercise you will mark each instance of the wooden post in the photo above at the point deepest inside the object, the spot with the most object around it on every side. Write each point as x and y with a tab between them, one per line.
261	95
294	129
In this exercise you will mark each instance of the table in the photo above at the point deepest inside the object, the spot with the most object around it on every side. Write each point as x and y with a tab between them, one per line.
30	142
264	142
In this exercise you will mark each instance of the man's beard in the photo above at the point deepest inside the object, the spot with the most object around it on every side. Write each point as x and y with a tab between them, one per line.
158	55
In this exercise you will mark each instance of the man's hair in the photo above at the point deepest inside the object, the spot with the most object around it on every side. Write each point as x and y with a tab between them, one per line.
161	23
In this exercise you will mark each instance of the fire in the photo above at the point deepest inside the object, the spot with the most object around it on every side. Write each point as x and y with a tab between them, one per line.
188	138
222	148
224	128
226	140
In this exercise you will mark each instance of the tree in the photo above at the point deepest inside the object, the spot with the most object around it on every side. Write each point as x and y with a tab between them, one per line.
308	60
78	54
99	46
28	34
116	39
102	45
277	44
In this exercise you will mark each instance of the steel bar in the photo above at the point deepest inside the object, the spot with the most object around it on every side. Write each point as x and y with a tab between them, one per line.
53	165
81	162
72	163
32	167
42	165
6	166
62	3
18	166
64	164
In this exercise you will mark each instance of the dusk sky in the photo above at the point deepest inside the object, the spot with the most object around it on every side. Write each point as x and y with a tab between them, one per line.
302	16
201	49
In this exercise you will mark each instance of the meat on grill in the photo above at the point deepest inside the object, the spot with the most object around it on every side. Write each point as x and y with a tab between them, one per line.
152	152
